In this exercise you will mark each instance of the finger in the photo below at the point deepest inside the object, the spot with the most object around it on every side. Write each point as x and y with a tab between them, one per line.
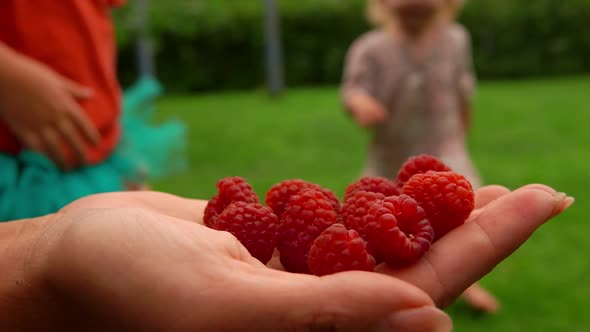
350	301
487	194
471	251
567	201
31	140
480	299
166	204
541	187
421	319
80	118
53	147
275	262
72	137
78	91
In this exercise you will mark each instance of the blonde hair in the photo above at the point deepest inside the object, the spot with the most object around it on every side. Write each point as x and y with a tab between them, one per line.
379	17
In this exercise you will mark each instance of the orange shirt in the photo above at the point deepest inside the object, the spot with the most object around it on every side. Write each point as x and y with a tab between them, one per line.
76	39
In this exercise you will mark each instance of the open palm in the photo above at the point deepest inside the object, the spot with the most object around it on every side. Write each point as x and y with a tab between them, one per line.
139	261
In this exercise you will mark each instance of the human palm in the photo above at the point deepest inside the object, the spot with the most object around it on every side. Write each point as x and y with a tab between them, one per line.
143	261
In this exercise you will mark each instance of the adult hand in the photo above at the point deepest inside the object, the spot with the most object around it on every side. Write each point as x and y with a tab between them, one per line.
132	261
502	222
139	261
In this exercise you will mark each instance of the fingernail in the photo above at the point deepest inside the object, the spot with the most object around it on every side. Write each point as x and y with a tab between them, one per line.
569	201
560	197
562	203
425	319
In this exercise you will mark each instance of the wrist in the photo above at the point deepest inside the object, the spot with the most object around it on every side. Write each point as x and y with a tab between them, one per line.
16	67
21	282
9	59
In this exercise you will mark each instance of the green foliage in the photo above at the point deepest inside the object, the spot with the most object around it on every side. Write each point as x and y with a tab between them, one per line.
218	44
515	38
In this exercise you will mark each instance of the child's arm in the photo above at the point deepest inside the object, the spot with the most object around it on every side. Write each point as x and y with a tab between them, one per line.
466	116
358	86
40	108
365	109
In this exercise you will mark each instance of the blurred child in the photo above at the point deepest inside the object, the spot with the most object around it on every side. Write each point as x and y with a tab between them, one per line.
411	82
63	134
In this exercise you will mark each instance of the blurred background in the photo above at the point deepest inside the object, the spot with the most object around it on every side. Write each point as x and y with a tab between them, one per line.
530	123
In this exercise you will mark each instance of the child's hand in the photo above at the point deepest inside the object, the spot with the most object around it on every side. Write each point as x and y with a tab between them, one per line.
366	110
40	108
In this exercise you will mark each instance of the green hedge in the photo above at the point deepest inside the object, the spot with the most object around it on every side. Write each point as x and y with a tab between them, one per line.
218	44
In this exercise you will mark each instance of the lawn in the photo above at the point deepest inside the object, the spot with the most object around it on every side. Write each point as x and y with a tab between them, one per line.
530	131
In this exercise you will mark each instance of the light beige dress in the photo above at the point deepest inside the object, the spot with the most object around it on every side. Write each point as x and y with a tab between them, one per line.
423	98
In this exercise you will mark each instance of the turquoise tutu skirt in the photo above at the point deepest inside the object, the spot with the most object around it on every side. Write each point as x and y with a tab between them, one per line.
32	186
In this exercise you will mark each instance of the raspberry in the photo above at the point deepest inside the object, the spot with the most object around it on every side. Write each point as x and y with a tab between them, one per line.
338	249
356	207
212	210
397	231
447	199
230	189
254	225
278	195
307	215
371	184
419	164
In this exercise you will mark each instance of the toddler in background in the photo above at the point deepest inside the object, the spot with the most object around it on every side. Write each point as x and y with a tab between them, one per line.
411	82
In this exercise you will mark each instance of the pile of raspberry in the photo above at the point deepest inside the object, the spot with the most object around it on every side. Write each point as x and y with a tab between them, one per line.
391	221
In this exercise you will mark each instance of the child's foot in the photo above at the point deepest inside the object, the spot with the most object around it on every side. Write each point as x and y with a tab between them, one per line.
480	299
136	186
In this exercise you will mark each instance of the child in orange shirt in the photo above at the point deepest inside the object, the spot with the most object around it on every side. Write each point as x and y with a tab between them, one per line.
61	136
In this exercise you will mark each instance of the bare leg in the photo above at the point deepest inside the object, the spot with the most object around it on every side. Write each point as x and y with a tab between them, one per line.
136	186
480	299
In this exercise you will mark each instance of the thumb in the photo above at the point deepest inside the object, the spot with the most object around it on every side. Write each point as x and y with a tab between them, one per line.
77	90
350	301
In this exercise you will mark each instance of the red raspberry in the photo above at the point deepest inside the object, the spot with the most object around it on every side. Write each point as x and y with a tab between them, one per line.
254	225
230	189
307	215
212	210
371	184
397	230
419	164
338	250
356	207
278	195
447	199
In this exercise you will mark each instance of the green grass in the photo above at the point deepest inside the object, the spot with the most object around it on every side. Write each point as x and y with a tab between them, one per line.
532	131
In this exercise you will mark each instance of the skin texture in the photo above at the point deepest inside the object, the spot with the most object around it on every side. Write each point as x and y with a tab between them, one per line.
414	16
41	108
365	109
111	261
